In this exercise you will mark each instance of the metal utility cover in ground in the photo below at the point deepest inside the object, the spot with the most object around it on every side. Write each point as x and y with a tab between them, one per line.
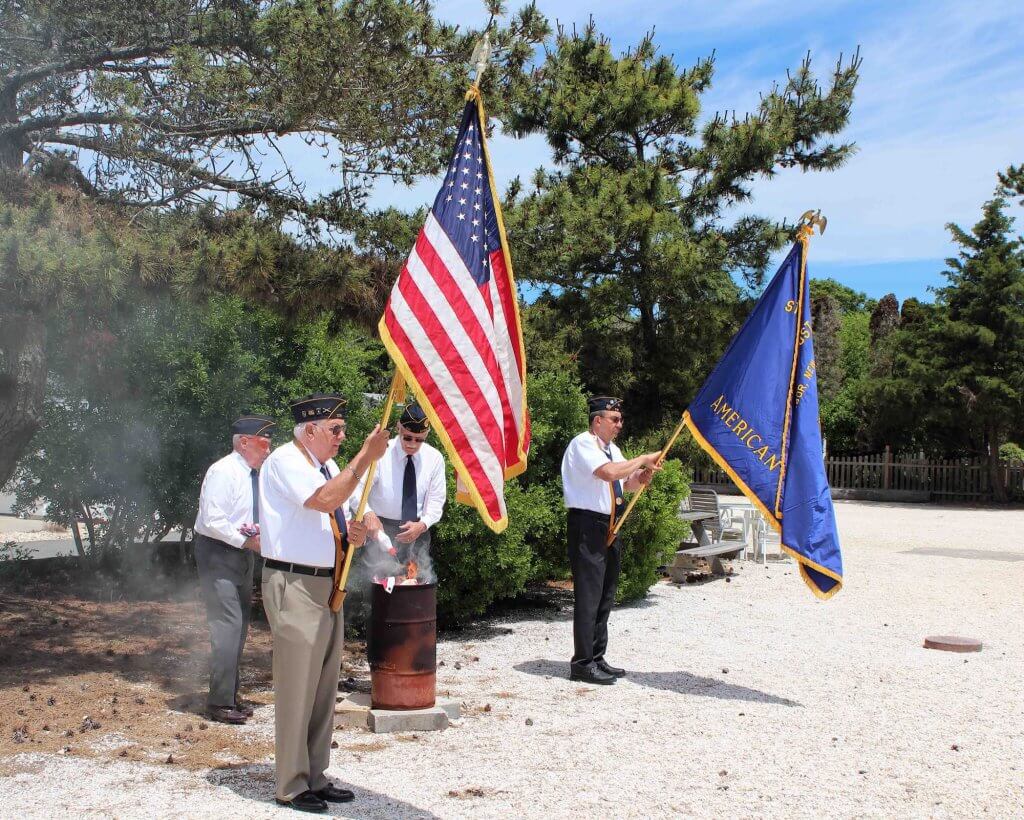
952	643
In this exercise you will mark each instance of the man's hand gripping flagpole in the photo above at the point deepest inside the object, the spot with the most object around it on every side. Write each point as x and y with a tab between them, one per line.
614	531
396	394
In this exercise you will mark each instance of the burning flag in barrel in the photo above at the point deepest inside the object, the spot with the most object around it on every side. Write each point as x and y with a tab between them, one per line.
757	417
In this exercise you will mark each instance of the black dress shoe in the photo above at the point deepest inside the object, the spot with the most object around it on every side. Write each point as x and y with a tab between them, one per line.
245	707
306	801
590	673
332	794
225	714
604	666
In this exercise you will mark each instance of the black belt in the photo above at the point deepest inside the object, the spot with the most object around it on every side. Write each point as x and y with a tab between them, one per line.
602	517
301	569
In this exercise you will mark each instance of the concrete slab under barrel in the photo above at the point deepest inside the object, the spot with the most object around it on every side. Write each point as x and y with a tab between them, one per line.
354	711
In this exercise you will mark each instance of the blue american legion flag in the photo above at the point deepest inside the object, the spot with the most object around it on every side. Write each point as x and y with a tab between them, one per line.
757	417
452	327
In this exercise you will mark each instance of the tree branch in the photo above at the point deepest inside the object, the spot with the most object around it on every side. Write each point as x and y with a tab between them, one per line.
263	192
133	52
207	130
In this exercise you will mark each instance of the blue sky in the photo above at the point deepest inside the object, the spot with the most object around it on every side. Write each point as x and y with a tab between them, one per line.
939	109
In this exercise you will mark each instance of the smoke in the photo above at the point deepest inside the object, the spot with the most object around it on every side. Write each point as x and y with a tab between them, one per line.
380	559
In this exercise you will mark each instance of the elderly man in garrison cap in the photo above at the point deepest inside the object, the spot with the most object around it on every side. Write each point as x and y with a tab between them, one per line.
302	495
408	491
594	476
226	544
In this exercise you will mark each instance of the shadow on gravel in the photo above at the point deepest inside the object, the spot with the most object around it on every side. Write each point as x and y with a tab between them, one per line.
545	603
256	782
682	683
961	552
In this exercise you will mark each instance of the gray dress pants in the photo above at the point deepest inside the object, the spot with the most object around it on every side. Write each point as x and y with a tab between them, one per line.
225	578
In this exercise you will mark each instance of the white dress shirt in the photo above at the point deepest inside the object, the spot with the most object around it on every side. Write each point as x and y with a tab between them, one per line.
288	530
225	500
386	491
583	490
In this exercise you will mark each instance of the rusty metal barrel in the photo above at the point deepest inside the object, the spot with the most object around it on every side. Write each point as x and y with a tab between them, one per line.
402	646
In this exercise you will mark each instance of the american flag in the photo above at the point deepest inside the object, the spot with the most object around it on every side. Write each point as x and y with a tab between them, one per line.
452	327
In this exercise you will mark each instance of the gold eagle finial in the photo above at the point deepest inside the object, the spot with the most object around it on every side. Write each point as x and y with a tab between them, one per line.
811	218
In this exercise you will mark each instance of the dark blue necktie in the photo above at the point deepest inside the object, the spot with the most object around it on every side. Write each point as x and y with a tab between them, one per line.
409	492
617	485
255	476
339	516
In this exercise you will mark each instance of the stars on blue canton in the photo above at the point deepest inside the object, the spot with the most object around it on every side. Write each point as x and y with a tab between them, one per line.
464	206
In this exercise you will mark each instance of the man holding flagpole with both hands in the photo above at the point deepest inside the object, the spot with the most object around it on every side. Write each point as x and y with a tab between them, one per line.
594	476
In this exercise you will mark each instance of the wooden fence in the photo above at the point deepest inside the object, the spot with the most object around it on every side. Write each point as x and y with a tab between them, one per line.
956	479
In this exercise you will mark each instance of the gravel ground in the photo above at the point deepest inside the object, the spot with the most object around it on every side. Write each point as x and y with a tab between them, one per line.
747	698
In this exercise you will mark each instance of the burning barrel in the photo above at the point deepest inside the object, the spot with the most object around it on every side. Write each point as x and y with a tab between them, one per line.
402	646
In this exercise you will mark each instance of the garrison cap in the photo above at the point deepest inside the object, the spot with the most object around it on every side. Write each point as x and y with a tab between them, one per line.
318	406
253	426
598	404
414	419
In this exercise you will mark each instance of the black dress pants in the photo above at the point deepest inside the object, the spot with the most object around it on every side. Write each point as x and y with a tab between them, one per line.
595	574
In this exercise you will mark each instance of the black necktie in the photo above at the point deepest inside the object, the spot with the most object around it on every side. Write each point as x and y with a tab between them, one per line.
255	476
339	516
409	492
616	484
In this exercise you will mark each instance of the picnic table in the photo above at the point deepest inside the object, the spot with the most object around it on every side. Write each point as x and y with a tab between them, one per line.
697	519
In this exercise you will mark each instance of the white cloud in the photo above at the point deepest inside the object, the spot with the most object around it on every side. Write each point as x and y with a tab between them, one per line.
939	107
893	199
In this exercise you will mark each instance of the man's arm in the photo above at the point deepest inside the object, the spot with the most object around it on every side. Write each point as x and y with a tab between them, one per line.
639	478
331	495
437	489
618	470
218	487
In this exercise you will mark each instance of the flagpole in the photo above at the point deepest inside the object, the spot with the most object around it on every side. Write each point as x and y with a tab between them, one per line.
480	59
632	502
804	232
396	393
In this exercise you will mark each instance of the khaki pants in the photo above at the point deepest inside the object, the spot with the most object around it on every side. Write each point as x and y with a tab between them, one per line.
308	641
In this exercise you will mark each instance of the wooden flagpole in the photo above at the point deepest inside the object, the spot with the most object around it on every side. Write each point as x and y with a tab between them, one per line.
396	394
632	502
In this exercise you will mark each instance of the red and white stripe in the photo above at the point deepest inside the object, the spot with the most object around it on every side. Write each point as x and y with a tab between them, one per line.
461	344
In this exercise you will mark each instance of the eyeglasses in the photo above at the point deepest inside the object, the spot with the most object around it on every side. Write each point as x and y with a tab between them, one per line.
336	430
614	419
411	439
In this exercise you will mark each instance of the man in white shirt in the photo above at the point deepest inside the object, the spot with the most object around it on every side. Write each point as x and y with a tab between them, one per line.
226	544
408	491
594	476
302	495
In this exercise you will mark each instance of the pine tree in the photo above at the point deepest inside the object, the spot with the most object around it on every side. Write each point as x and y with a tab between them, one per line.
979	338
628	236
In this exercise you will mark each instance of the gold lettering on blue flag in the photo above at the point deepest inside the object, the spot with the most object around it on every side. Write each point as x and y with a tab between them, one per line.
757	417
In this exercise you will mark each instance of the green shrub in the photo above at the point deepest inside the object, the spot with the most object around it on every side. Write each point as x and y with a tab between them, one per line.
1012	454
651	534
476	566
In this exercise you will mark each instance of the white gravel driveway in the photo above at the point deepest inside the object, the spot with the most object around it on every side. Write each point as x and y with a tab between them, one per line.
748	698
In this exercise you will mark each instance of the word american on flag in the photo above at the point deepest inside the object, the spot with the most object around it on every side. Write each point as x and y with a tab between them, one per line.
757	417
452	327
